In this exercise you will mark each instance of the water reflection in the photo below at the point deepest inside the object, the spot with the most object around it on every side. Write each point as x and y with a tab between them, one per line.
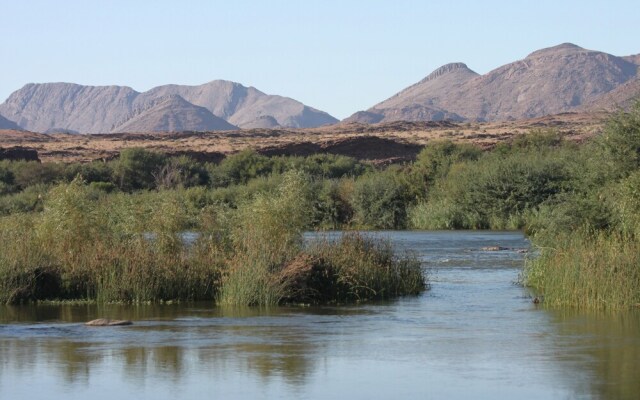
166	341
606	345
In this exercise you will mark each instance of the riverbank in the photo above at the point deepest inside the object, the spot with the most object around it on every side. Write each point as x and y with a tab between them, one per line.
91	223
82	248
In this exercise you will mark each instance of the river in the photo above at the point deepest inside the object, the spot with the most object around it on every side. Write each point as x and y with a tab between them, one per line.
474	334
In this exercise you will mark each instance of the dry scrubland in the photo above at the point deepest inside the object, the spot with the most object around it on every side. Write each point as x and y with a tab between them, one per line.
346	139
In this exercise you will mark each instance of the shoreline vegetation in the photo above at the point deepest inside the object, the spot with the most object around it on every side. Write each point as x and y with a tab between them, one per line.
112	231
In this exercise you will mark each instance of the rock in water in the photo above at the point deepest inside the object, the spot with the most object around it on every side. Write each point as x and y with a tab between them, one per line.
108	322
494	248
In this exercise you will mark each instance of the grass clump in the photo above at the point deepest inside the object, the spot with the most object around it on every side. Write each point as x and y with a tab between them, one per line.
267	233
590	270
352	268
90	247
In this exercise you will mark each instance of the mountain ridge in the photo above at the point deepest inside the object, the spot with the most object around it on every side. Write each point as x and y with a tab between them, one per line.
41	107
552	80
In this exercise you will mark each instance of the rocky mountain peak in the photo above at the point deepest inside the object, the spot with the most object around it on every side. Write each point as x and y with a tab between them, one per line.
445	69
557	51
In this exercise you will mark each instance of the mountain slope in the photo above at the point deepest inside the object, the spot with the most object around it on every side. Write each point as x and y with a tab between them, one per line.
62	106
8	124
547	81
101	109
621	97
172	114
242	105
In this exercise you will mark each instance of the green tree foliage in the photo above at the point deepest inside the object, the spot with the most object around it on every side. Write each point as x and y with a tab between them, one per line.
239	168
620	143
181	172
29	173
379	200
137	169
434	162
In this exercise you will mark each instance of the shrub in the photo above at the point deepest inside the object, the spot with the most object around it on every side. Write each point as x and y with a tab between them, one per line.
29	173
28	200
137	169
96	171
495	192
379	201
181	172
434	162
620	143
331	203
239	168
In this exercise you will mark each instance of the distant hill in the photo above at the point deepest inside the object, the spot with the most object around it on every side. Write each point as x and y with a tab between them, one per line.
8	124
241	105
102	109
172	114
262	122
548	81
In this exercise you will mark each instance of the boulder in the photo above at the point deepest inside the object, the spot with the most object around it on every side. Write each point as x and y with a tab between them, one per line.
108	322
495	248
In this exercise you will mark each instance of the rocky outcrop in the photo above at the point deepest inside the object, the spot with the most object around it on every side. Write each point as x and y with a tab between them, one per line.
19	154
371	148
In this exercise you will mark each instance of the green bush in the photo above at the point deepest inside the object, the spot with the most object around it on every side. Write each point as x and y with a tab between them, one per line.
96	171
239	168
181	172
495	192
619	145
331	203
29	173
434	162
137	169
28	200
379	201
325	166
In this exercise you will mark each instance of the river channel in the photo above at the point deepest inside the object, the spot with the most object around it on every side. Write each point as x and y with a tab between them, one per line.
475	334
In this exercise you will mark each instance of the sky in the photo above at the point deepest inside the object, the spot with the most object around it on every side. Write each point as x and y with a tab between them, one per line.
336	56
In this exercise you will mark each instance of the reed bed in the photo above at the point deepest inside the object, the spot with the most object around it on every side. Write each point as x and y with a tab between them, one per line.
588	270
87	245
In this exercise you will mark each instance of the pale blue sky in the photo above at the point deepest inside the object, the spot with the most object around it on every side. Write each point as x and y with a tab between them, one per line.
338	56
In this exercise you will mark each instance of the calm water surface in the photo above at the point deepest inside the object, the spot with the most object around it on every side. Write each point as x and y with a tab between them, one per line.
475	334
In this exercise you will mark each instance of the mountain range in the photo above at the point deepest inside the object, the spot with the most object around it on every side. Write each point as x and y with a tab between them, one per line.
217	105
549	81
553	80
